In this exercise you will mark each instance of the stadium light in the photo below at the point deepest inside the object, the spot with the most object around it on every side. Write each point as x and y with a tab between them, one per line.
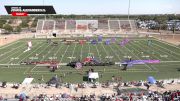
129	8
45	14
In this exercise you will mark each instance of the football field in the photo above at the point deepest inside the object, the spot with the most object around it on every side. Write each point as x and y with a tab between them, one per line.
12	55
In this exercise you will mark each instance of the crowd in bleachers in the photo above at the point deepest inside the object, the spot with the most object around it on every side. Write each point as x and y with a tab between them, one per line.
150	96
123	94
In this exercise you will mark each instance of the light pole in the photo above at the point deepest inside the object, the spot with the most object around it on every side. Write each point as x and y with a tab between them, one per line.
44	14
129	8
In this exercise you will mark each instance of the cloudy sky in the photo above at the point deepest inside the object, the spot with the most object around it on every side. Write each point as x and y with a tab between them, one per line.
102	6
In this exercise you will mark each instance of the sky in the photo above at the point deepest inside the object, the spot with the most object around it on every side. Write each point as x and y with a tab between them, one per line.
102	6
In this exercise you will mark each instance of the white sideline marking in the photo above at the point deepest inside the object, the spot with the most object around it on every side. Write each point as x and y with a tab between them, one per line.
9	64
170	61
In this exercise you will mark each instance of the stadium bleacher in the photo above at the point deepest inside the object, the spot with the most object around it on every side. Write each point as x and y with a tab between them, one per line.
89	26
125	25
48	25
71	24
39	25
114	25
103	25
60	25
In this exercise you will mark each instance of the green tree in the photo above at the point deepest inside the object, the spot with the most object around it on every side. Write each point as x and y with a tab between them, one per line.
8	28
34	24
2	22
24	24
18	29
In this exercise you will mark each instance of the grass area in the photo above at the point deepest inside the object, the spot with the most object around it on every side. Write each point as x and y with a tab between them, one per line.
137	48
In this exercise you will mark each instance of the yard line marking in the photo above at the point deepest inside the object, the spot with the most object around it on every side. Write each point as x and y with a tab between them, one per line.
166	49
136	56
58	49
98	53
73	51
81	52
166	43
115	53
13	53
143	48
156	56
120	50
64	53
165	52
47	53
169	45
11	50
89	47
31	52
9	44
22	53
42	58
107	54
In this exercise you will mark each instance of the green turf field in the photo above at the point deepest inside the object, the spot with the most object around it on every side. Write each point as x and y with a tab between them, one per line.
12	55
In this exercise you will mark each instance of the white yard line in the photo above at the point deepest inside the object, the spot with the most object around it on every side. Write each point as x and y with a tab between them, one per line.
73	51
58	50
147	65
64	53
98	53
12	50
166	43
9	44
12	53
137	56
22	53
166	49
31	53
107	54
115	53
143	49
42	58
47	53
120	50
166	53
81	52
89	47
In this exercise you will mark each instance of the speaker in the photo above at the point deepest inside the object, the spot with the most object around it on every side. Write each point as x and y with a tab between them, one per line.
54	34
